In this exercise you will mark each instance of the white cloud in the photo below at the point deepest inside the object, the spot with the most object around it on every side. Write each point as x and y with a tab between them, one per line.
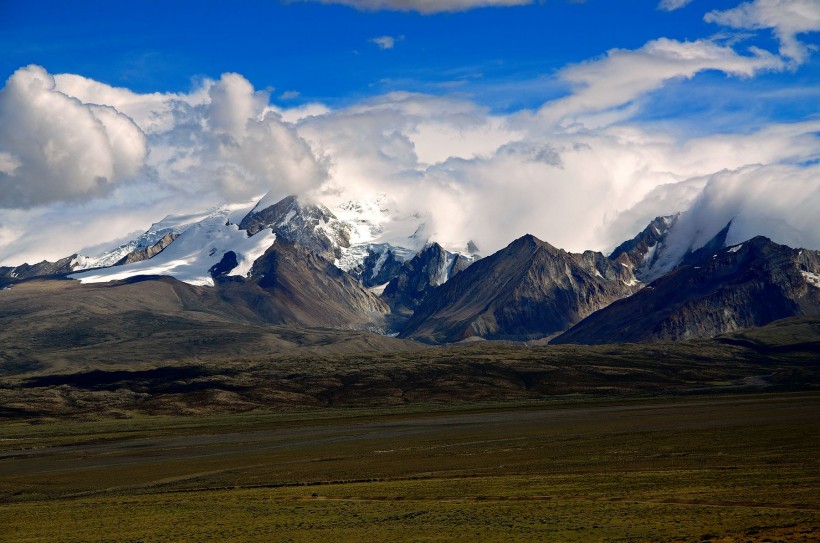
622	76
786	18
152	112
384	42
222	138
85	171
55	148
488	178
234	146
425	6
672	5
779	201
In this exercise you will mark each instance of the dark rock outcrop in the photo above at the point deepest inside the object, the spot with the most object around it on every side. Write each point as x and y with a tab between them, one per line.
12	274
381	264
224	266
148	252
750	284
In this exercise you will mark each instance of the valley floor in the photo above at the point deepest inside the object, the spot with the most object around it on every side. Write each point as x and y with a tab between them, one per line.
728	467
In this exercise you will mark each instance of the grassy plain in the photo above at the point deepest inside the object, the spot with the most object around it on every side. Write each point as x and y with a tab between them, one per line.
742	467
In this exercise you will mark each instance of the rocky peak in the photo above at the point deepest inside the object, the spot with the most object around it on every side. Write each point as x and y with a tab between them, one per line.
642	252
719	291
528	289
311	225
429	268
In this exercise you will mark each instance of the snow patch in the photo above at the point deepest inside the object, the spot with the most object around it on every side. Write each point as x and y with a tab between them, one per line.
812	279
377	267
736	248
288	218
378	290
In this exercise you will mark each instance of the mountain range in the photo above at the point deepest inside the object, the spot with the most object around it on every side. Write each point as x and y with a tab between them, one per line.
299	263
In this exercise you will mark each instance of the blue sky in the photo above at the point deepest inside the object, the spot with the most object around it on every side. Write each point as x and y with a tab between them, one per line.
577	121
325	52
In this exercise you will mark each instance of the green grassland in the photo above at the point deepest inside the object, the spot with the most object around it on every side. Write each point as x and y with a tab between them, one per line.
144	435
729	467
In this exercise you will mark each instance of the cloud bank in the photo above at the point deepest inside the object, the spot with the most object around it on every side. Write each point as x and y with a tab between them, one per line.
81	161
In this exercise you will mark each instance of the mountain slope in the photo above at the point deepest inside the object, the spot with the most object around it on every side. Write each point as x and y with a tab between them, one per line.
69	325
528	289
382	263
746	285
291	284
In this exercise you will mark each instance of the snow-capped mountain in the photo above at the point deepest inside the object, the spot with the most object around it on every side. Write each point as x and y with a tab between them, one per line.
173	225
311	225
352	236
359	265
190	257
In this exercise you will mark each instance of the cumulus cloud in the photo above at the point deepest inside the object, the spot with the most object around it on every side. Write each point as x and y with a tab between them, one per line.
672	5
622	76
54	148
234	145
786	18
425	7
152	112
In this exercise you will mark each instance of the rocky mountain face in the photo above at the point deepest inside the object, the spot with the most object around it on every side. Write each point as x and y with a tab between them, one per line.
382	263
13	274
642	252
714	292
320	269
311	225
291	284
148	252
527	290
431	267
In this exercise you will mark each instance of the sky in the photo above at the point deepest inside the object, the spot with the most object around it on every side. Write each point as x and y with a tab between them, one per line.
576	121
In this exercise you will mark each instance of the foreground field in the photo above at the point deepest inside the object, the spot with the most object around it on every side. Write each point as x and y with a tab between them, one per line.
722	468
